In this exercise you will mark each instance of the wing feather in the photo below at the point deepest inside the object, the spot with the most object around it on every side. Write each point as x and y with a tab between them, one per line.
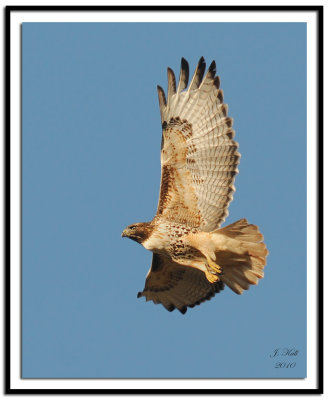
176	286
162	101
198	75
199	157
171	83
183	76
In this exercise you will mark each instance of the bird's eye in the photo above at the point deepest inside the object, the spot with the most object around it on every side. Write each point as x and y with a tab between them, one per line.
133	227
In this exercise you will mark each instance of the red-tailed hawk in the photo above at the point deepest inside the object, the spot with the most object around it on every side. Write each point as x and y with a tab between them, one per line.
193	258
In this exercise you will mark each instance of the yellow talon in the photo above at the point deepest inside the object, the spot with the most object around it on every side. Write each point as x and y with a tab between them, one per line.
216	268
211	277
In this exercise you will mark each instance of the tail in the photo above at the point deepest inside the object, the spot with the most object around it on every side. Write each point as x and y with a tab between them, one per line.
244	256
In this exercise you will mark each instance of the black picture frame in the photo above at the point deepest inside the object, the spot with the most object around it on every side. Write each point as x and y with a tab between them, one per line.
319	12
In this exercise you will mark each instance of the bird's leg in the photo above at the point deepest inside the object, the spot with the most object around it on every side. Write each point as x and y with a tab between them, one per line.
210	272
211	277
212	265
202	242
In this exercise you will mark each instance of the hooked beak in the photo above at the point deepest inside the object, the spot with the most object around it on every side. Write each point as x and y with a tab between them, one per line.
124	233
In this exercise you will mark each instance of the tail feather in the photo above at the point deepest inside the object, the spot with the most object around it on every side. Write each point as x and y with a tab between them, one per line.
242	230
243	262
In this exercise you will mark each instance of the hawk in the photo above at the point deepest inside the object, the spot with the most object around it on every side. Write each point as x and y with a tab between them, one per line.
193	257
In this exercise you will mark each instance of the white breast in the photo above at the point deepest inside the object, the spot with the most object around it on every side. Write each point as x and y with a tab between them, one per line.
155	242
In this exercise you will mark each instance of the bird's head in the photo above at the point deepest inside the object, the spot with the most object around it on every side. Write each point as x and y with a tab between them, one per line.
138	232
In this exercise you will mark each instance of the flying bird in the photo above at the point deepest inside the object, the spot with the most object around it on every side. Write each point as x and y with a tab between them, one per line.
193	257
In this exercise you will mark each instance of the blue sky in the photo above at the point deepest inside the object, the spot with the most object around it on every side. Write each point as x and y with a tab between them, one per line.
91	165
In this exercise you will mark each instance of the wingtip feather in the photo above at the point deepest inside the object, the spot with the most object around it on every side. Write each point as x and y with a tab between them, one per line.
212	68
198	74
184	75
171	82
162	101
183	310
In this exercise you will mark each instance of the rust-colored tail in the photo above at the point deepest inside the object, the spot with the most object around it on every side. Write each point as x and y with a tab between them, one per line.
244	260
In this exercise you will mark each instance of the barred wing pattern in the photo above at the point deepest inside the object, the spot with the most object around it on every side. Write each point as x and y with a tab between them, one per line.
176	286
199	159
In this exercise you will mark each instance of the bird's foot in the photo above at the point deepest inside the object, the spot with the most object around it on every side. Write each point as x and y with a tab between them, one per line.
211	277
213	267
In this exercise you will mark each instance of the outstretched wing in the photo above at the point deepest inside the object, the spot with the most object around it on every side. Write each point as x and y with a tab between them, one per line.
176	286
199	159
